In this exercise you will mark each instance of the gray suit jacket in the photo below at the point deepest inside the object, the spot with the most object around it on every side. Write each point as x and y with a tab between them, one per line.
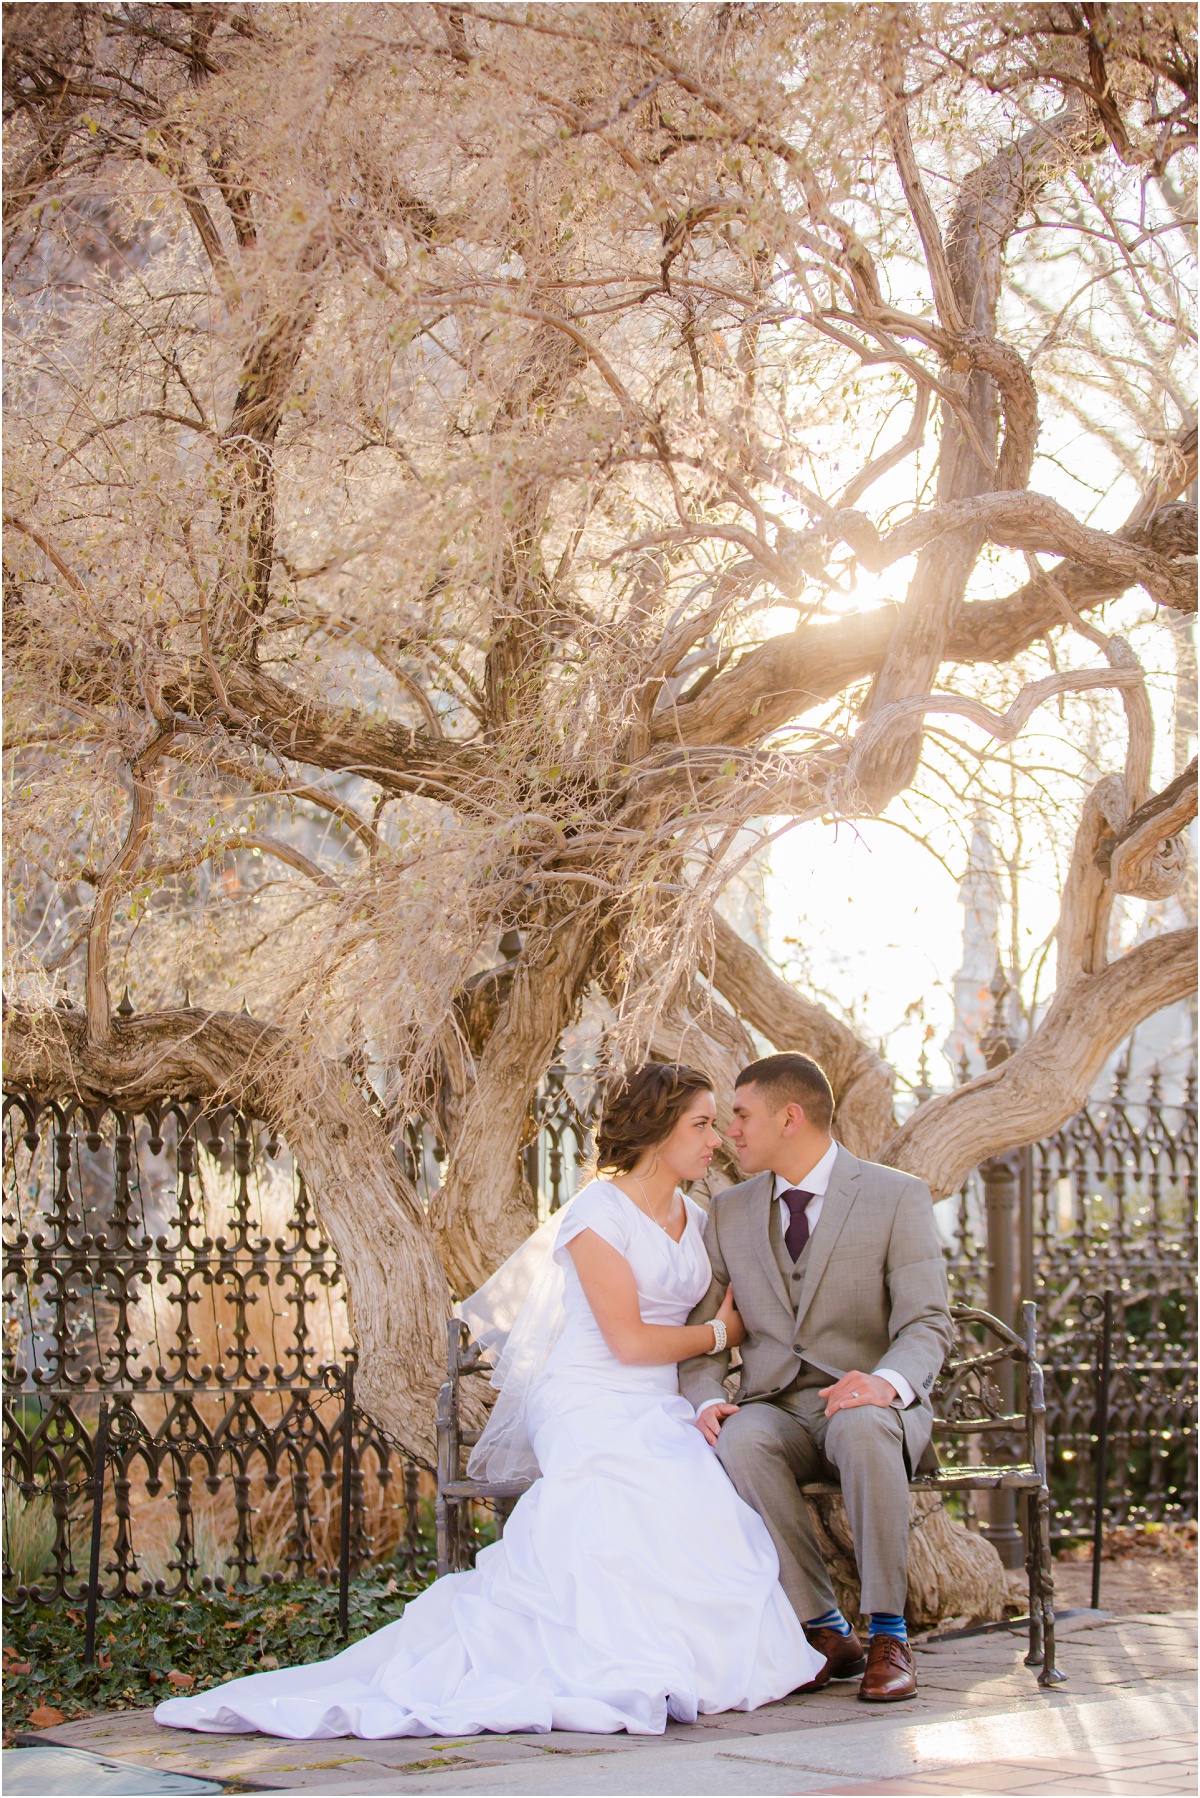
874	1291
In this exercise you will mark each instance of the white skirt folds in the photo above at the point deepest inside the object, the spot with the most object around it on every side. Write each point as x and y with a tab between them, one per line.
632	1584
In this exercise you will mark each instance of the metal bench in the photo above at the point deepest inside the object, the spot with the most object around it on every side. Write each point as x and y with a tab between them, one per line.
973	1402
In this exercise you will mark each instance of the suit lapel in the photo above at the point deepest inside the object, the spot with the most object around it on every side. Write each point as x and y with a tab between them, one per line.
759	1204
839	1198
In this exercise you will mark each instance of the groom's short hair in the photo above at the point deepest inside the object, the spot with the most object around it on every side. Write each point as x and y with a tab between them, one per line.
793	1080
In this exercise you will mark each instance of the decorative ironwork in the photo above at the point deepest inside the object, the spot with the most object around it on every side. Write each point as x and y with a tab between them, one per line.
562	1123
1108	1201
171	1263
1114	1205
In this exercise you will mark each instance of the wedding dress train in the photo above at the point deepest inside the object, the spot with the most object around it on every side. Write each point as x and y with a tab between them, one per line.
631	1584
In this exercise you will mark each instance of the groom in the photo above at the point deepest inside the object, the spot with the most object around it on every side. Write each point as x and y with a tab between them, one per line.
837	1273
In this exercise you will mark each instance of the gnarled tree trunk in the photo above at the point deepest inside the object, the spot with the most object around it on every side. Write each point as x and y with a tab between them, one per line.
951	1571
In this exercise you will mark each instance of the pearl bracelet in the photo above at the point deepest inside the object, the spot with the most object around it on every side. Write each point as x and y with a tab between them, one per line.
721	1334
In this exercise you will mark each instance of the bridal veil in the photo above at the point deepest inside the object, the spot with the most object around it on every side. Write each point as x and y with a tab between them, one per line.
517	1317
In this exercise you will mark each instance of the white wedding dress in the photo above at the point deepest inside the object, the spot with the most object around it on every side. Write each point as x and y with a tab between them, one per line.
631	1584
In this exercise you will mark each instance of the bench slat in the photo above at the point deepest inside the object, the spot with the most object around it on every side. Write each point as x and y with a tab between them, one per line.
954	1479
1019	1478
972	1425
485	1488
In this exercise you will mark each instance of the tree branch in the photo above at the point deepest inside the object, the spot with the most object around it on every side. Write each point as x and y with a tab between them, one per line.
111	885
1086	905
941	280
1004	727
911	441
1147	856
989	203
862	1081
1028	521
293	789
282	852
1050	1076
296	726
788	675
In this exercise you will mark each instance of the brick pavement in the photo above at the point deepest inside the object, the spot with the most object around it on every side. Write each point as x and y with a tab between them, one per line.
1124	1723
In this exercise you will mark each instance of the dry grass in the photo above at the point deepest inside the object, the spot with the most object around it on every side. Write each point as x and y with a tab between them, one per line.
28	1533
155	1527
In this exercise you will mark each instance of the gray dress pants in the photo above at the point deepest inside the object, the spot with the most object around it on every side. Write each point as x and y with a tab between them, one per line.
771	1447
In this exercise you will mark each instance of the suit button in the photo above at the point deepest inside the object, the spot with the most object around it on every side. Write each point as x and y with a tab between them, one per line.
796	1276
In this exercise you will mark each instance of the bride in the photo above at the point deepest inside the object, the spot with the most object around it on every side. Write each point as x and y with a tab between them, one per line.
631	1584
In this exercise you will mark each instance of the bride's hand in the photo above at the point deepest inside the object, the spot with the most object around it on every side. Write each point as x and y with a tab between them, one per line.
731	1317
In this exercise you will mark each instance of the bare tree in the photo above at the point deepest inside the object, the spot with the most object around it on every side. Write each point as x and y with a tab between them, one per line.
419	418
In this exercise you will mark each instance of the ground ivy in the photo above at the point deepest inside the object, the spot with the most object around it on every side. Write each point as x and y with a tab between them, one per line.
215	1636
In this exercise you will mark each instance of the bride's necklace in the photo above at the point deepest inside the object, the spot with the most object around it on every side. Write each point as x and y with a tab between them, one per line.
647	1208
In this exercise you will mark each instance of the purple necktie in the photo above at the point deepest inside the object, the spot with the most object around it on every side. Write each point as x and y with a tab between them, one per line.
797	1230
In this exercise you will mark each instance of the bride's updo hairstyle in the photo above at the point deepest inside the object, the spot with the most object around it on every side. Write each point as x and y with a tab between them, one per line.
642	1108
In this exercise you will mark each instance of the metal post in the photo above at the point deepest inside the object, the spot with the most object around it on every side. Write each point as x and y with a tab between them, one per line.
412	1519
1103	1378
449	1511
1000	1180
1035	1420
99	1456
347	1484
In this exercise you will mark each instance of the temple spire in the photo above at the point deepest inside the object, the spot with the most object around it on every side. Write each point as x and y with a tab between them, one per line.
980	896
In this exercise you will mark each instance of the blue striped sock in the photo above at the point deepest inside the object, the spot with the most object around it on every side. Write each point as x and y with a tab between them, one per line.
886	1623
831	1620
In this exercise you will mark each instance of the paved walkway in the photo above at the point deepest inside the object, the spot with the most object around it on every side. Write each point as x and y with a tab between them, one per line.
1124	1723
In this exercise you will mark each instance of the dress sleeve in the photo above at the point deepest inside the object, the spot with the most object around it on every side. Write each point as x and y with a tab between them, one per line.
598	1207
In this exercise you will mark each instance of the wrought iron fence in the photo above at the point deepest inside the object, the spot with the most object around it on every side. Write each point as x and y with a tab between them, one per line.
564	1118
1107	1202
171	1263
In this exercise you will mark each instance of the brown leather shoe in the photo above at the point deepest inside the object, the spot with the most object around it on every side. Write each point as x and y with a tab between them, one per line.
891	1672
844	1657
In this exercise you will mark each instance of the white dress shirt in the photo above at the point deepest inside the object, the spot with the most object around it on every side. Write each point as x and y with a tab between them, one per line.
816	1181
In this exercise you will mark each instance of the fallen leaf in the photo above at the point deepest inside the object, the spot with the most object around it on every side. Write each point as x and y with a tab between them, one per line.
18	1667
183	1682
231	1626
75	1616
269	1660
46	1717
104	1662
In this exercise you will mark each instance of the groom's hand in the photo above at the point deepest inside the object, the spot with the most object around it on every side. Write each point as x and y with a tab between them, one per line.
855	1389
710	1420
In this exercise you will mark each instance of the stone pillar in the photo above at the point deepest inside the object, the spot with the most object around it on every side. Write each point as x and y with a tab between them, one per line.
1027	1259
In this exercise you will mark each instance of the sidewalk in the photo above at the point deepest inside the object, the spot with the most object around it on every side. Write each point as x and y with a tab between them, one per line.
1125	1723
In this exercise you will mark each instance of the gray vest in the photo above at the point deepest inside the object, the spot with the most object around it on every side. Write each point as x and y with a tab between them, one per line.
793	1274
